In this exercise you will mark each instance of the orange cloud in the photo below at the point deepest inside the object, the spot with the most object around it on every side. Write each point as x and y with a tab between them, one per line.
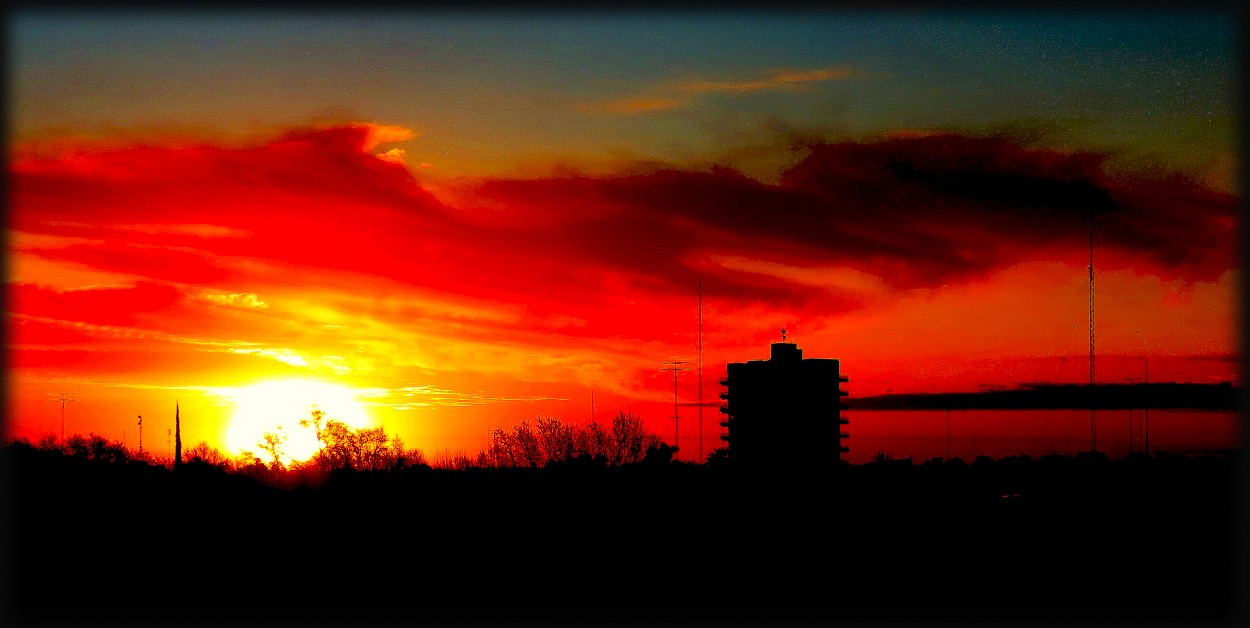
778	79
365	135
632	105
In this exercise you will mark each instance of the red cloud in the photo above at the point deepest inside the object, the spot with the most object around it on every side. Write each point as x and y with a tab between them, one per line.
102	306
574	280
915	211
910	212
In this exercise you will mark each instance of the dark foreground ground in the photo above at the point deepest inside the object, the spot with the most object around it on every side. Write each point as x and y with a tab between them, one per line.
1055	541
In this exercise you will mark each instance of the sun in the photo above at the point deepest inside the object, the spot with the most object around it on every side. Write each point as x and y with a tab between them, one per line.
278	406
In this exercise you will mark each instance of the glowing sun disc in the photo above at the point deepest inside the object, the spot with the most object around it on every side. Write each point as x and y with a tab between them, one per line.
277	407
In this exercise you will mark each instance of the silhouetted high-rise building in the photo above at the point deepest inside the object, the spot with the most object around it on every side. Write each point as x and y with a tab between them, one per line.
785	410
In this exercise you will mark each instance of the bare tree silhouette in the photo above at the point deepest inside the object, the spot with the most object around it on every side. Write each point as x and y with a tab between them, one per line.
624	442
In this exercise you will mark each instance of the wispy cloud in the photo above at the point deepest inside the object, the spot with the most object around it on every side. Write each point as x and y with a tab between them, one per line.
409	397
632	105
245	300
776	80
336	364
286	356
832	278
781	79
194	230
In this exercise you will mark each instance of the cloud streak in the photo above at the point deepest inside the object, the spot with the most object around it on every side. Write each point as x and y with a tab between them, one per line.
424	396
680	94
776	80
632	105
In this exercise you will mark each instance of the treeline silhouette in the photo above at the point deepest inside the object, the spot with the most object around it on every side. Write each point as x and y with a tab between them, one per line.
565	531
548	441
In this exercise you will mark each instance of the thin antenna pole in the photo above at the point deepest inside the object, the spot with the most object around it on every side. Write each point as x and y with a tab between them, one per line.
140	435
700	370
1145	422
1093	434
948	434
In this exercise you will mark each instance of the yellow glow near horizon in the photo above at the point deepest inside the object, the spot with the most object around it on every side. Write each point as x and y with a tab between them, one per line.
278	407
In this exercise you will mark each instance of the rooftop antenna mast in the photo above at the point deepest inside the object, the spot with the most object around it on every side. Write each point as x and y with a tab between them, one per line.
63	398
673	365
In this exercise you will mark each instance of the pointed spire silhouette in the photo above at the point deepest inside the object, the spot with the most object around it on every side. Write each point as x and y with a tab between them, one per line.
177	438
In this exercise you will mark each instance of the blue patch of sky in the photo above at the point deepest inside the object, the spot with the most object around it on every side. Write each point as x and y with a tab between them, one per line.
917	68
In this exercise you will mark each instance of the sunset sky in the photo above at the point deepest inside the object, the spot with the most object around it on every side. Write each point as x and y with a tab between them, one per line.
472	219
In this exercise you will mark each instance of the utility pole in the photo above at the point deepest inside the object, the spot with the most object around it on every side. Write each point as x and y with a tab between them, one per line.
64	397
676	415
